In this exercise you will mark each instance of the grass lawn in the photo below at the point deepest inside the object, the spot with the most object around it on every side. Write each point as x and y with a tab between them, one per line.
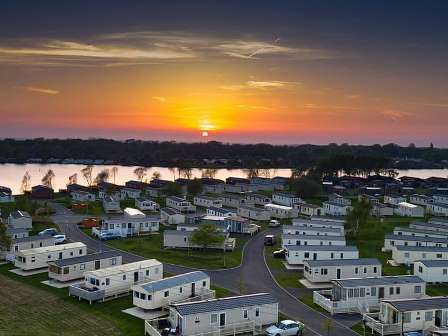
41	223
93	208
308	300
151	247
437	290
49	311
283	276
370	240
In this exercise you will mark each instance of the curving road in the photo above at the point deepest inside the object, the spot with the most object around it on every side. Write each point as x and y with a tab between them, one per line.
253	273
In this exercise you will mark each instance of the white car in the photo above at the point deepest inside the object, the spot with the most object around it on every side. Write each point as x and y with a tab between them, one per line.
50	232
59	239
274	223
286	328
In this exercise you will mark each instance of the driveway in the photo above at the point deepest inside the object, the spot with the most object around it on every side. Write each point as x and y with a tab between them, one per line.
251	277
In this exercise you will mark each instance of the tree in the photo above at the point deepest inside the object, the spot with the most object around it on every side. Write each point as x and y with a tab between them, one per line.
26	182
103	176
172	171
194	187
358	216
156	176
87	173
206	235
252	172
5	239
140	172
73	179
185	172
305	187
209	173
173	189
48	178
114	172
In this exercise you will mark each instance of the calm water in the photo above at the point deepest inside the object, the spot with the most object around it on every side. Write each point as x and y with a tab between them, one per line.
11	174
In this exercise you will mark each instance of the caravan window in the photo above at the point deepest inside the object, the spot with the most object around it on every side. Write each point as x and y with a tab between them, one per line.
428	316
137	295
107	281
166	294
417	289
213	318
204	283
245	314
114	261
33	259
373	291
407	317
80	252
397	290
257	312
147	272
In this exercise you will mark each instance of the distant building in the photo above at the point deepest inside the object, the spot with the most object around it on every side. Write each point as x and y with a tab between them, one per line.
42	192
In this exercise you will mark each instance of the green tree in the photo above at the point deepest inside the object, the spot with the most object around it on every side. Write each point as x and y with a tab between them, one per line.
206	235
194	187
305	187
173	189
357	217
5	240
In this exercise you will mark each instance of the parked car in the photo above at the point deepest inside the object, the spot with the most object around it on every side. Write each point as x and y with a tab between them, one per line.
59	239
279	253
269	240
274	223
108	236
50	232
286	328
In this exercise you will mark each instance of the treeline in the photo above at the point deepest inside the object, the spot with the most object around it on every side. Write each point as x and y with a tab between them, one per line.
216	154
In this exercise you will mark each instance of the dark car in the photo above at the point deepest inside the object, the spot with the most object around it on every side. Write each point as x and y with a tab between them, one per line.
269	240
280	254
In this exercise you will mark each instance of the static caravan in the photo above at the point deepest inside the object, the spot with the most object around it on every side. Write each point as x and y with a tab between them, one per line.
312	240
231	315
382	210
419	199
409	254
253	213
437	209
319	224
409	210
394	200
236	224
309	209
111	204
82	196
327	270
16	233
181	239
225	212
129	193
74	268
233	201
257	199
391	240
440	198
116	280
357	295
438	220
19	219
27	243
207	201
36	258
335	209
145	204
297	255
161	293
133	222
428	315
307	230
286	199
432	270
172	216
430	226
281	211
419	233
180	204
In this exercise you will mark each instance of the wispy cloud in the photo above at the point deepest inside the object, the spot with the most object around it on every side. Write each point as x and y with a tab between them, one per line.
254	107
160	99
330	107
142	48
40	90
260	85
395	115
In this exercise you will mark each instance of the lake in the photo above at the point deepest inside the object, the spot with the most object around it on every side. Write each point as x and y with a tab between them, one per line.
11	174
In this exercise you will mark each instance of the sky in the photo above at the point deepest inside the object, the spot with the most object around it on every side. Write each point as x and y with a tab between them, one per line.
359	72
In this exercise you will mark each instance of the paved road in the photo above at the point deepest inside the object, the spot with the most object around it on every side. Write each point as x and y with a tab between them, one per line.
253	274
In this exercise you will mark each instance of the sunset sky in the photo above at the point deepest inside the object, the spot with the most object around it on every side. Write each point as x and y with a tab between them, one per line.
245	71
